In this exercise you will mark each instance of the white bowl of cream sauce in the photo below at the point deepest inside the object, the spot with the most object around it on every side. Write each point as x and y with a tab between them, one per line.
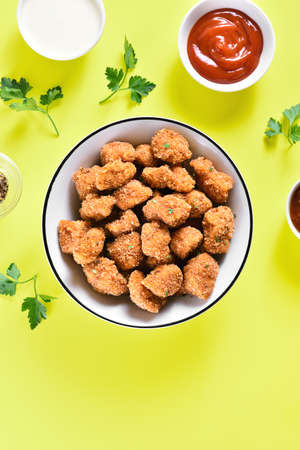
61	29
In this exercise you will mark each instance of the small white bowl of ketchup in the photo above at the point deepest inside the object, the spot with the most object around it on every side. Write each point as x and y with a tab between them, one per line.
293	209
226	45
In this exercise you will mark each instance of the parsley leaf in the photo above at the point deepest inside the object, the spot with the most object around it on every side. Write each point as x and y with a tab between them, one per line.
129	55
288	125
11	89
138	86
7	286
36	311
13	271
47	298
114	76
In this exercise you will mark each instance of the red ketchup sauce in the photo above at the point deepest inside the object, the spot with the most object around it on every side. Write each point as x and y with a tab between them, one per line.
295	209
225	45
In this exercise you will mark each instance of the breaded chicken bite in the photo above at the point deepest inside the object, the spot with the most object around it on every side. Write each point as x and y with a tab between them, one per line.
97	207
105	278
155	240
88	248
150	209
158	177
69	232
144	155
114	174
214	183
218	227
117	150
200	276
185	240
164	280
85	181
181	180
153	262
172	210
141	296
128	222
126	250
199	203
132	194
170	146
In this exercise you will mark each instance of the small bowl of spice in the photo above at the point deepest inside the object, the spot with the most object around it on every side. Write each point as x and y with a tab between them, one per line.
293	209
226	45
10	185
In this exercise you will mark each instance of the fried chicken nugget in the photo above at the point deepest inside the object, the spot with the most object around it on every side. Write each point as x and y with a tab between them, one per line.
150	209
117	150
114	174
126	250
155	240
170	146
200	276
153	262
144	156
164	280
97	207
180	180
132	194
85	181
69	232
158	177
218	227
172	210
127	222
199	203
105	278
185	240
214	183
88	248
141	296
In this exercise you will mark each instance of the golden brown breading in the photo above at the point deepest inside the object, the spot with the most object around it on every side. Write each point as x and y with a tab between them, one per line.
150	209
200	276
180	180
127	222
97	207
214	183
88	248
141	296
85	181
117	150
153	262
199	203
185	240
69	232
105	278
164	280
155	240
132	194
158	177
170	146
172	210
126	250
114	174
218	227
144	155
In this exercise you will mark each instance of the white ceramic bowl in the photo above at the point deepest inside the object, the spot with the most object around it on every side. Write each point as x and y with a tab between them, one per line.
253	11
288	211
49	54
62	203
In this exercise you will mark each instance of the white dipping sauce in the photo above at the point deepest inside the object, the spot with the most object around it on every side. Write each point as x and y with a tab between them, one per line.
61	29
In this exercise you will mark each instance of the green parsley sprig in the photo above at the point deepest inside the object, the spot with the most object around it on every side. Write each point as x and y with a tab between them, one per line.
288	125
11	89
36	309
138	86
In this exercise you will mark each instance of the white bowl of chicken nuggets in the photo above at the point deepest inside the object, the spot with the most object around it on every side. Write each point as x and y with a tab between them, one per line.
147	222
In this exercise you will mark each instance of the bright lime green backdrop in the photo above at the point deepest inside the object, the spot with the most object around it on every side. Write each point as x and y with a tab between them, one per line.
228	379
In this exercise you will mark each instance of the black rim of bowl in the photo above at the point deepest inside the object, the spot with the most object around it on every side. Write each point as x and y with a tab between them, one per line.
135	119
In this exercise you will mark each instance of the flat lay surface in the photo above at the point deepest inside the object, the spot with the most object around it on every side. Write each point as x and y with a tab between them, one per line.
226	379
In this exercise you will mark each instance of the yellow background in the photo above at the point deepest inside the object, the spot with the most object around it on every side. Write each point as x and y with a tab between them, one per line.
228	379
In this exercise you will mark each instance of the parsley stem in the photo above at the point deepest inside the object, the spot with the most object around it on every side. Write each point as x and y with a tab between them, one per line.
52	121
26	281
117	90
34	286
